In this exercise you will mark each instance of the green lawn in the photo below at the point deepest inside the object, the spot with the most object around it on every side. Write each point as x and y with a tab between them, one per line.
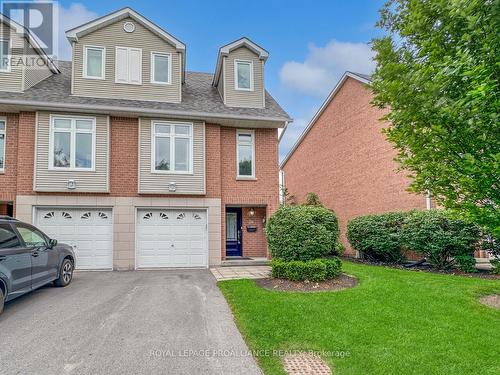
393	322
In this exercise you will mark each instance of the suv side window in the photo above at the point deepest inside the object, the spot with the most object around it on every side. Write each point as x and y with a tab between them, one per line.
31	237
8	238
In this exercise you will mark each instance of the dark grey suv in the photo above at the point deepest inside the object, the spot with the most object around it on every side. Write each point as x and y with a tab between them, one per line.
29	259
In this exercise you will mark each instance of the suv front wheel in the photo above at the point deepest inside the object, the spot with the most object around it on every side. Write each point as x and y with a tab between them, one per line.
2	300
65	273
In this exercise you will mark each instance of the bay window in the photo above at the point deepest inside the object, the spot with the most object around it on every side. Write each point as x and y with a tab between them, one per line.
245	153
94	62
72	143
172	145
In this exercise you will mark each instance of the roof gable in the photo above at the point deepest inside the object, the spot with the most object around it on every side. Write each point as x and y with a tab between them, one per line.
101	22
363	78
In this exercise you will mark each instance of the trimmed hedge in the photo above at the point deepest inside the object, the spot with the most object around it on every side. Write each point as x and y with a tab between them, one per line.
378	237
302	233
312	270
440	236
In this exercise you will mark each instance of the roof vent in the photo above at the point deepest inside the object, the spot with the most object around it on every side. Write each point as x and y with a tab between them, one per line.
129	27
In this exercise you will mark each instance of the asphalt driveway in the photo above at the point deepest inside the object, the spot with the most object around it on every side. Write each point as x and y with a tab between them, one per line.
141	322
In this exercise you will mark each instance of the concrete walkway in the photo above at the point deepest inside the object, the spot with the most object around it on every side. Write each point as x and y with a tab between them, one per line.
241	272
137	322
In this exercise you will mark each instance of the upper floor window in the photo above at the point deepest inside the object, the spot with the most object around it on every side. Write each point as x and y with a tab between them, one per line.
4	55
172	147
161	68
72	143
128	67
2	144
94	62
245	150
243	75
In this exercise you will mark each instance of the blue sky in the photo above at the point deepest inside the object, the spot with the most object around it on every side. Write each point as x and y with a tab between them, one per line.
310	42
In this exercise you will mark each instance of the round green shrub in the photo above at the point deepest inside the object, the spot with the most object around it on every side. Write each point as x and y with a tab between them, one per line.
311	270
377	237
441	238
302	233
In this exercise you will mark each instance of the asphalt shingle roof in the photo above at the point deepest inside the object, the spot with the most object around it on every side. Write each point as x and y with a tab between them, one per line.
198	96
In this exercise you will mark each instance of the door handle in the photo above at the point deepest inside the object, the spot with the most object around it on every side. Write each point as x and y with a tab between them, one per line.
34	254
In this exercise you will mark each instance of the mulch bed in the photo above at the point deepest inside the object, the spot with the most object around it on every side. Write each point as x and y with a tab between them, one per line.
480	274
492	300
342	282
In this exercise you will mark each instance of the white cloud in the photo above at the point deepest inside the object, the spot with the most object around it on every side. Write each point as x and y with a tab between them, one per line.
75	15
323	66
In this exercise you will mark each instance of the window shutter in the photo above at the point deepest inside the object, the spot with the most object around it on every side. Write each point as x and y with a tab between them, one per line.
121	65
135	65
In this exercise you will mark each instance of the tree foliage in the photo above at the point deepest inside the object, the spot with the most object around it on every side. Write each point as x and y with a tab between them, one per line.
438	72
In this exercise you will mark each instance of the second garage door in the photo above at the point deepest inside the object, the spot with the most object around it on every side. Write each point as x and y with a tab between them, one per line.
171	238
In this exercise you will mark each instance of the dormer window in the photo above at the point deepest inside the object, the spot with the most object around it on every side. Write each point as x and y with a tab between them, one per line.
4	56
94	62
161	68
243	75
128	65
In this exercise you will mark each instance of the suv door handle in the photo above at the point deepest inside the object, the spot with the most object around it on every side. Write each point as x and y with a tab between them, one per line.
34	254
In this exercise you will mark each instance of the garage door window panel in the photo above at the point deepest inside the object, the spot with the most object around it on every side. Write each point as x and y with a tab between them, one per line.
172	148
72	144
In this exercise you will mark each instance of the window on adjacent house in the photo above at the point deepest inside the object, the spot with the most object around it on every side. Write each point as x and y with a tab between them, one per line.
72	143
4	56
128	67
94	61
243	75
245	151
2	144
172	145
160	68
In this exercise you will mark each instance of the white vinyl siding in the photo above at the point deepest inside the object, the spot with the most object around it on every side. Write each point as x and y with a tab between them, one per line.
110	37
161	68
48	179
245	153
3	130
243	97
157	182
128	65
94	62
11	78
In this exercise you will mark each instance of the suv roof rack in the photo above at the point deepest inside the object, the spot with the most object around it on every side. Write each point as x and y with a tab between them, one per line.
6	217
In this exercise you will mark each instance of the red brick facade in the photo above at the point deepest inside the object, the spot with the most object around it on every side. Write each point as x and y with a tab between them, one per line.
346	160
220	152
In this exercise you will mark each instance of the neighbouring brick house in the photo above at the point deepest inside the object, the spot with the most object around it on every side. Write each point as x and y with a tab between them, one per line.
343	157
130	158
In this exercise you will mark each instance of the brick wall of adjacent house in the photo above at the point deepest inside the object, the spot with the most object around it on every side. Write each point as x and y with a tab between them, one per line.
254	243
220	169
346	160
8	179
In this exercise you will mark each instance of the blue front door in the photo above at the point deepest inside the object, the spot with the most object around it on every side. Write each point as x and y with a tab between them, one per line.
233	232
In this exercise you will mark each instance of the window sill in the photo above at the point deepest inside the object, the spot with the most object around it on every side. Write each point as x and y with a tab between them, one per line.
246	178
71	170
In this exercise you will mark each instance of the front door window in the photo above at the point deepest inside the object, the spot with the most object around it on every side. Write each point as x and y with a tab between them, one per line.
233	232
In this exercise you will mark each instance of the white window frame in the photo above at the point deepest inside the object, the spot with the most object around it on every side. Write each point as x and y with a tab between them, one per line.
72	146
4	132
9	55
248	62
172	137
128	66
169	55
103	62
247	132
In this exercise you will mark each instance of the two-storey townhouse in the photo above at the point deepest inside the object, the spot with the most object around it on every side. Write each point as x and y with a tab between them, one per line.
133	160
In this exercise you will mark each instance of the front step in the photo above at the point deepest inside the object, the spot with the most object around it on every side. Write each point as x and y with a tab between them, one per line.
245	262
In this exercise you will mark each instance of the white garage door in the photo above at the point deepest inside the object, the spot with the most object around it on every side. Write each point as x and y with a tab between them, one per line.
171	238
89	231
